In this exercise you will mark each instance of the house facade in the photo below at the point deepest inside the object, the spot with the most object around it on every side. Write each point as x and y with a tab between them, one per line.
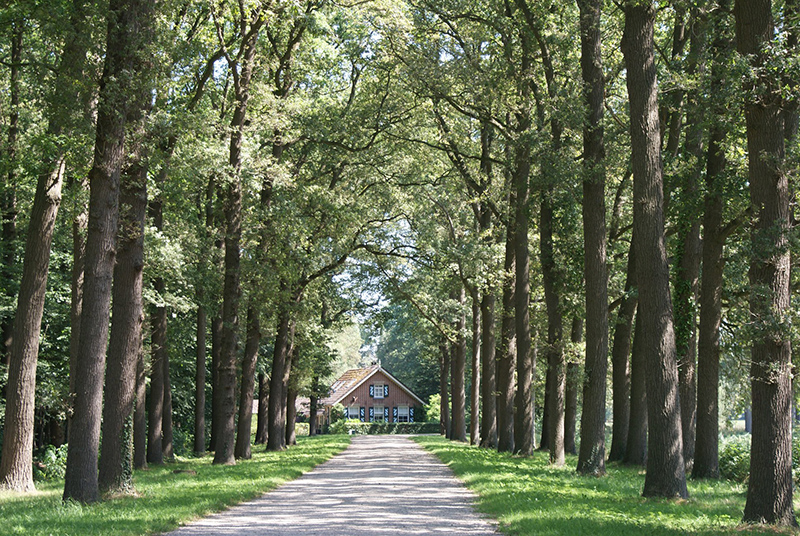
371	394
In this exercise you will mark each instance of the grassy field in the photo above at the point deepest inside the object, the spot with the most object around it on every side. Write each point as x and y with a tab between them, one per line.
528	496
168	495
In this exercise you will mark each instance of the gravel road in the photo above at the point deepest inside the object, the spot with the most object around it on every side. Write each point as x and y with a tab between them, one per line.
380	485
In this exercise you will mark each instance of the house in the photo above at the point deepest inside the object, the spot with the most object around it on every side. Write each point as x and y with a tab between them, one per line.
370	394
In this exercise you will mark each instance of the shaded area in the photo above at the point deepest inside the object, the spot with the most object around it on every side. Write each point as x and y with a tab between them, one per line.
380	485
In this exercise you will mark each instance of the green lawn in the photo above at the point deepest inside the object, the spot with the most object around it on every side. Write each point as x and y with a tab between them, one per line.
528	496
168	495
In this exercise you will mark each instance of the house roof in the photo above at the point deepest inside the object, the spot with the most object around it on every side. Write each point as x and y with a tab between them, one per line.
350	380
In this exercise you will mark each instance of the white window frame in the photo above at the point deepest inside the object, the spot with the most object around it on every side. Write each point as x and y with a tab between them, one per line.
378	414
377	390
400	416
355	416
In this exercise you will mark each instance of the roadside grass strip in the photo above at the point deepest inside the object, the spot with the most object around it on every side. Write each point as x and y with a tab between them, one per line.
167	496
528	496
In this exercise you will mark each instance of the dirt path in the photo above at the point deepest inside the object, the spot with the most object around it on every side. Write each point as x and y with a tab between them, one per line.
380	485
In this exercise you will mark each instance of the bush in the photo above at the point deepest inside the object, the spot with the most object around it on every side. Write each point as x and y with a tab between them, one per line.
378	428
50	463
734	458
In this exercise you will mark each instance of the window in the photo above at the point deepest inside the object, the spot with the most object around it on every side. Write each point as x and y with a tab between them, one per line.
378	413
378	390
352	412
402	413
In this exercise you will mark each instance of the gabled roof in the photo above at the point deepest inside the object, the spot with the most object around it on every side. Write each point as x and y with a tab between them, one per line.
353	378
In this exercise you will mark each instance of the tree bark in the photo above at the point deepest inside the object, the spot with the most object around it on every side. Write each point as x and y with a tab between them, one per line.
127	317
200	381
706	459
216	344
155	406
507	350
263	407
276	436
140	412
591	459
665	475
290	387
571	392
249	360
128	22
636	447
621	374
457	373
769	491
556	363
167	438
488	371
474	391
444	396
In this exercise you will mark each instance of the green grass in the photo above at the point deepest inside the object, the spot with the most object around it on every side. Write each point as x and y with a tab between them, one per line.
168	495
529	496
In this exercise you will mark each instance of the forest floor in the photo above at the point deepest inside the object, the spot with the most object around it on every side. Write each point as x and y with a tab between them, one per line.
529	496
379	485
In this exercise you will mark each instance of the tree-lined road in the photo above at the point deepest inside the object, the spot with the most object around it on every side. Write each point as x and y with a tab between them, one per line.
379	485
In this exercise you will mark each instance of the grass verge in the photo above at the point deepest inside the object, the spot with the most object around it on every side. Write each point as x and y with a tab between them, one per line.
529	496
167	496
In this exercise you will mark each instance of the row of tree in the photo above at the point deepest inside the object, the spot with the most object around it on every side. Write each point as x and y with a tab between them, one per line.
300	160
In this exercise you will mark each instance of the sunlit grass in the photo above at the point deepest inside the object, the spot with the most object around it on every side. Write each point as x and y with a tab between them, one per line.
529	496
167	496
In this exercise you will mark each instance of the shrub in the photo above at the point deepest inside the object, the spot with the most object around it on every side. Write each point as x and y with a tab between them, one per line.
377	428
50	463
734	458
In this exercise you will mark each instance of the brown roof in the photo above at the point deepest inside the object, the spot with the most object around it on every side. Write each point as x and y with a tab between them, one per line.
355	377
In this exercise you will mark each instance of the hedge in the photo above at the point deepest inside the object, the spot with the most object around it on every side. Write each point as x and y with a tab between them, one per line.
378	428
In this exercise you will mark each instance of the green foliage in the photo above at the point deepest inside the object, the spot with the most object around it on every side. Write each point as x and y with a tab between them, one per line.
50	463
382	428
734	457
433	409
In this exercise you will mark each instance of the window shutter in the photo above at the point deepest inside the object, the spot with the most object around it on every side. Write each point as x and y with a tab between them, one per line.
372	391
346	413
361	411
385	390
410	414
386	413
394	414
371	414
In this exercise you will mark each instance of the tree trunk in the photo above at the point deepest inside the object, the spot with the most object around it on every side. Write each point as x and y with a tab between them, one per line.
687	258
140	412
127	317
488	369
155	405
636	447
290	387
665	466
216	348
523	417
129	21
263	407
249	360
621	380
8	209
474	391
544	433
79	230
16	460
200	380
167	438
276	436
457	373
313	404
769	492
571	393
556	364
444	397
593	420
706	456
507	350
